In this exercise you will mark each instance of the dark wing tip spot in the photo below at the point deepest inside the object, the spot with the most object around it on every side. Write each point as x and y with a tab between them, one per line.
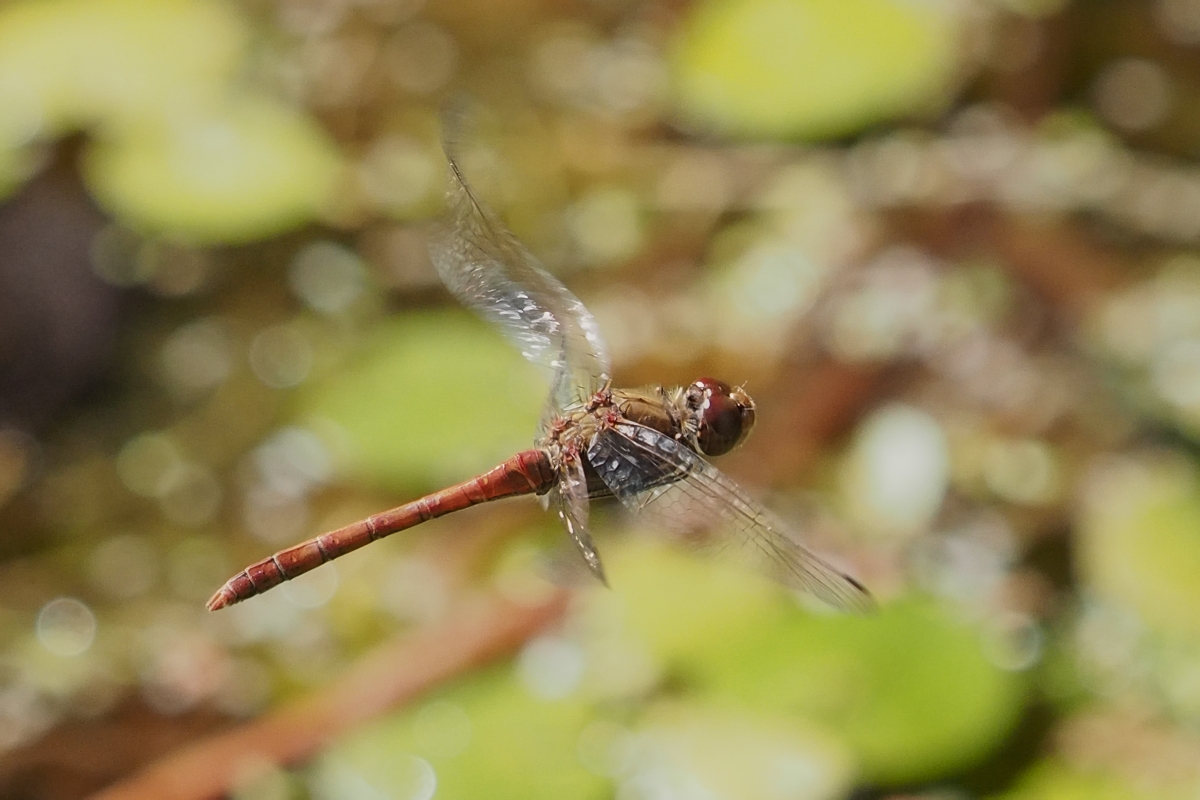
863	602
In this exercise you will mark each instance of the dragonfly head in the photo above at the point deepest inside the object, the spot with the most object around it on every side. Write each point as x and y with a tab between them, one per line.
720	416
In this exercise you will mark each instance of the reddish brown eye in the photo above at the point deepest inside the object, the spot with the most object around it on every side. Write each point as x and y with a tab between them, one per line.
724	416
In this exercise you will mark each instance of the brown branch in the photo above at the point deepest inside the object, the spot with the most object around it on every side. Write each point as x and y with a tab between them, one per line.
481	630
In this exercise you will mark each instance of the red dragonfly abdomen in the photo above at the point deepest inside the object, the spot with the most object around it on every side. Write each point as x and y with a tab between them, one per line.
528	472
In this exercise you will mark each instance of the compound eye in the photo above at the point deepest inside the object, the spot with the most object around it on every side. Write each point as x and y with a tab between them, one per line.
724	416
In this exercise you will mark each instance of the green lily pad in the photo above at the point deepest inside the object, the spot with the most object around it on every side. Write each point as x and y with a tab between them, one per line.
910	688
70	63
1140	544
680	606
1052	780
435	397
810	68
241	171
728	754
16	165
483	737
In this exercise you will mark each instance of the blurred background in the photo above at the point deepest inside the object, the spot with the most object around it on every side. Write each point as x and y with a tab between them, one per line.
950	247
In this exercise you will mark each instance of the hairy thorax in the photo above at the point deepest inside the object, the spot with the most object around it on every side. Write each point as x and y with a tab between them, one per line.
568	436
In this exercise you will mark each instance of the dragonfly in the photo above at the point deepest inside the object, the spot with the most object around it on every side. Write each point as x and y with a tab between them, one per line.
647	447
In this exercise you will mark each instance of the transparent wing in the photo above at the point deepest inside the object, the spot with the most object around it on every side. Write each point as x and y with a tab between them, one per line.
490	271
572	504
660	478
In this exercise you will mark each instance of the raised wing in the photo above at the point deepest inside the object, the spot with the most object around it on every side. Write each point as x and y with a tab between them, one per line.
491	272
655	475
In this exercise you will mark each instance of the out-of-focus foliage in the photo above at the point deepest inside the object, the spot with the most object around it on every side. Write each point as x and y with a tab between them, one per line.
912	690
178	150
1052	781
69	64
486	735
811	68
1141	548
950	247
241	171
422	374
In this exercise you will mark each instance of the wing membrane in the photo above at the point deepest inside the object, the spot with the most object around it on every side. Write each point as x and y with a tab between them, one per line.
572	505
654	475
488	269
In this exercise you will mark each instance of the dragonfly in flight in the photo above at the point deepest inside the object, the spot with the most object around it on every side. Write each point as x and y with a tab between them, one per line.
646	447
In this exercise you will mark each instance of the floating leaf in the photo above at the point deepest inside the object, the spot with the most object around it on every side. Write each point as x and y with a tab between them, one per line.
810	68
693	750
910	689
243	170
435	397
69	63
483	737
1052	780
1140	542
